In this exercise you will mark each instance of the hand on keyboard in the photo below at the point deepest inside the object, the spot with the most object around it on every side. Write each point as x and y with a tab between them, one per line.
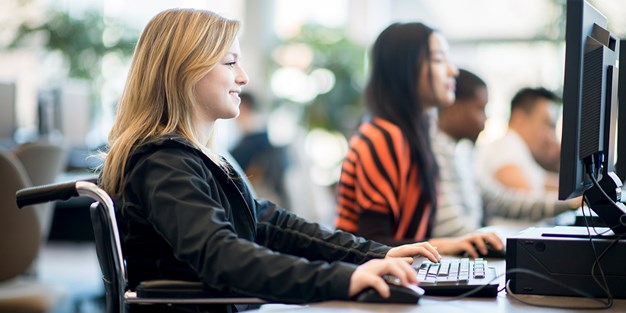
472	244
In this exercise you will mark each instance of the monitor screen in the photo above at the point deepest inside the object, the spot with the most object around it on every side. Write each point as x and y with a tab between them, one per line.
590	107
590	60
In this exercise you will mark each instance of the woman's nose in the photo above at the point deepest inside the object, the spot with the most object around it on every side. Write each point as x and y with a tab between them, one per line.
242	77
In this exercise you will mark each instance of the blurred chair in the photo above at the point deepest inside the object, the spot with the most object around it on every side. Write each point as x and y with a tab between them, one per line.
43	162
20	240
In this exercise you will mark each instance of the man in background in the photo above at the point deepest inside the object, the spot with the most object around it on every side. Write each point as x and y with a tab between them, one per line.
509	169
460	209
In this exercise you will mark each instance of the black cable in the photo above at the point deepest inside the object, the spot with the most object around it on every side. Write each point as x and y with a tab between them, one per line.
584	201
606	196
502	289
596	263
605	286
587	219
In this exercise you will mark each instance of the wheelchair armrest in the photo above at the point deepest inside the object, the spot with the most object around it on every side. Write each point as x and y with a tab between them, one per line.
176	289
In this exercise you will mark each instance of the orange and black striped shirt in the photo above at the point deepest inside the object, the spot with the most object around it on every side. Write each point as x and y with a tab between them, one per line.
379	194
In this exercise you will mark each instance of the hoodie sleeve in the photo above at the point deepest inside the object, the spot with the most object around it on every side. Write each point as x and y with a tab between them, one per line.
284	231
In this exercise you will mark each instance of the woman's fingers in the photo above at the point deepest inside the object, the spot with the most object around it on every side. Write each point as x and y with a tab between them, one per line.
415	249
495	241
370	274
430	252
433	256
381	286
406	273
468	246
478	243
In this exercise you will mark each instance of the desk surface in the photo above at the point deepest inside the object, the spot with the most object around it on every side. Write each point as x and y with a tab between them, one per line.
502	303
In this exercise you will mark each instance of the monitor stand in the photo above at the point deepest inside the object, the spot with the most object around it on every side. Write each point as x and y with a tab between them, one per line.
610	209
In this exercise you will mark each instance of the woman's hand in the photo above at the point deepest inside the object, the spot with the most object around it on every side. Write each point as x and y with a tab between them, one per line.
408	251
468	243
369	274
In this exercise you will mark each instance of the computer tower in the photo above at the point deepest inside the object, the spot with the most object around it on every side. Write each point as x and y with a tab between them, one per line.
565	254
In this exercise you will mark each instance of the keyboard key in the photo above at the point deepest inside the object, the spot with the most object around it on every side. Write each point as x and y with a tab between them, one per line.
433	270
443	270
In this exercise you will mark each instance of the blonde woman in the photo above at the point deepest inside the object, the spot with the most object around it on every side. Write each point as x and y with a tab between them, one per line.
184	212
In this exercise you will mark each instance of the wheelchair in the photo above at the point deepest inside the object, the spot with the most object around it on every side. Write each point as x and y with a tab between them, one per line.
111	258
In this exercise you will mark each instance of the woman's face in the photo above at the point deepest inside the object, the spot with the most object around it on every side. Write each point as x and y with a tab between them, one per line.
440	90
217	93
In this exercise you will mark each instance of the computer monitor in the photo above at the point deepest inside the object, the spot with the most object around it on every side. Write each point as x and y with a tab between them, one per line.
590	107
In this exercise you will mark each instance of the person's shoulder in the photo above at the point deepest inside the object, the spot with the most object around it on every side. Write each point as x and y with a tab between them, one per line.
494	144
164	147
379	126
169	142
510	145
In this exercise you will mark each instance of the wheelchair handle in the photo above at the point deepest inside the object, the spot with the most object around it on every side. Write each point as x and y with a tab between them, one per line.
40	194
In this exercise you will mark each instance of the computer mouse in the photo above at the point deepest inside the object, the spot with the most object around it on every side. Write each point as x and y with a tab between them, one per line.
399	294
491	252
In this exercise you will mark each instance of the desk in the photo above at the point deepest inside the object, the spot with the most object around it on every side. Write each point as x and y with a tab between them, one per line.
502	303
429	304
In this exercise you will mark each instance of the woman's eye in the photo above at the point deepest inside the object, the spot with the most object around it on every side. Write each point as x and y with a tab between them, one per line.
231	64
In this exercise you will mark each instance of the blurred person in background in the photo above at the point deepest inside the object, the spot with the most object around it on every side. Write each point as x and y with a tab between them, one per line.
263	163
460	205
388	185
509	168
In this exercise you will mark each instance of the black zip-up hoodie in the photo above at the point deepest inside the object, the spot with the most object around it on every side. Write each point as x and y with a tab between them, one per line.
183	217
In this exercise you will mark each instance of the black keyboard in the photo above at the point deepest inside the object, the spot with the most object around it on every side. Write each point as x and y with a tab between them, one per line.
456	277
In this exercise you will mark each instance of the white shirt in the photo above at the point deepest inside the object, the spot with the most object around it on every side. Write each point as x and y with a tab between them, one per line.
506	205
510	150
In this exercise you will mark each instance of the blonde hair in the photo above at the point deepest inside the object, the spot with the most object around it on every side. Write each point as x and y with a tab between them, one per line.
176	49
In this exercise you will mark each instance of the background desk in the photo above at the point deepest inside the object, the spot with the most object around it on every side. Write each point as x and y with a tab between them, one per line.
502	303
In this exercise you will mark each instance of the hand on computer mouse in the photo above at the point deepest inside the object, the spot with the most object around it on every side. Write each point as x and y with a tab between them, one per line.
370	275
486	247
491	252
398	294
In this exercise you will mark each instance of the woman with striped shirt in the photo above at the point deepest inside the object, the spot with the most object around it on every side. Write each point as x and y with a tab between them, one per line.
387	190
